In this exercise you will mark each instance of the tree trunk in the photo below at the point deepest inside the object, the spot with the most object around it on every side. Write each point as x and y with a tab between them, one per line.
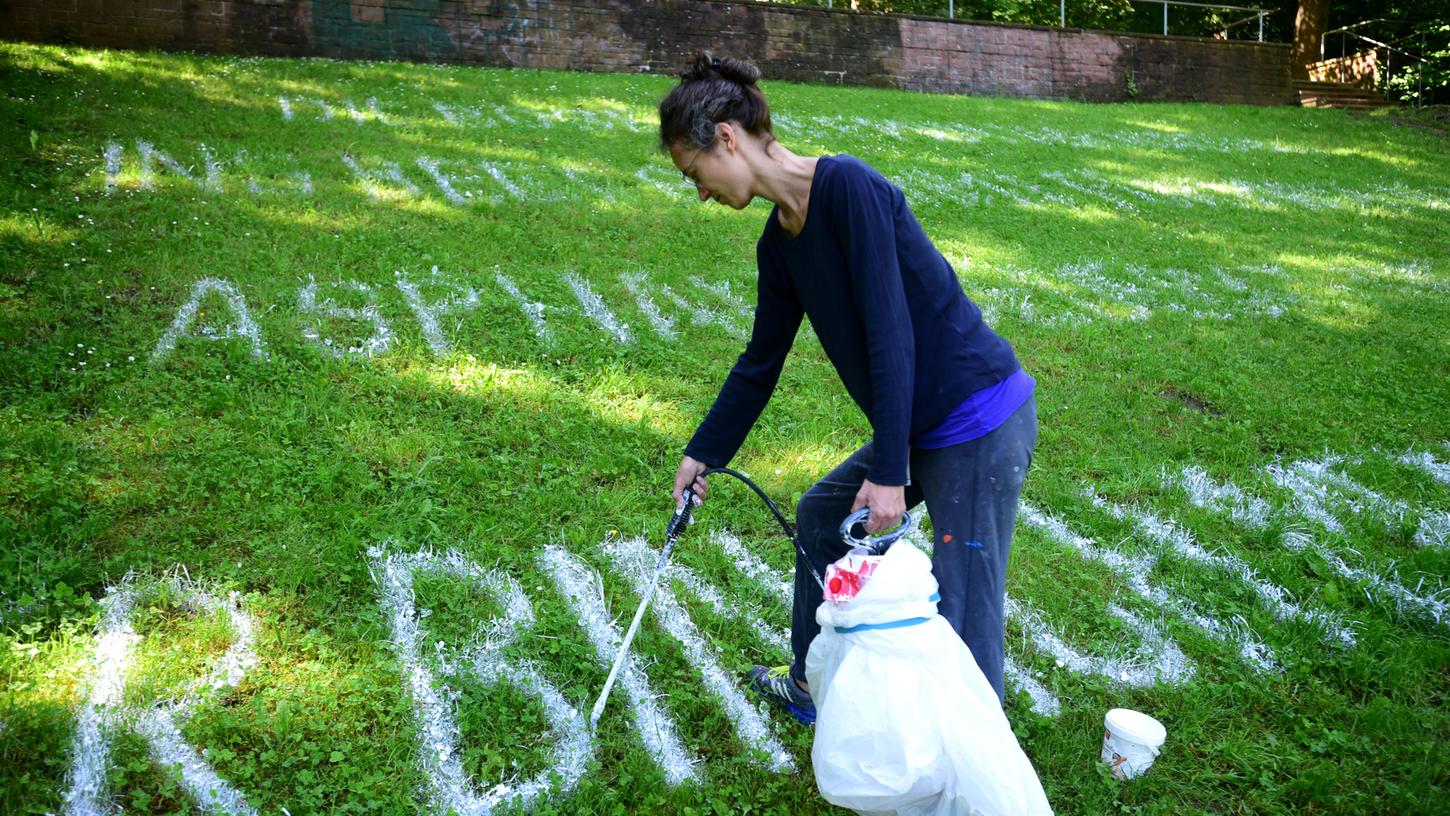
1309	25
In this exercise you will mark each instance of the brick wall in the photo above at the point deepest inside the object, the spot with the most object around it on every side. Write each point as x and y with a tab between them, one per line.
788	42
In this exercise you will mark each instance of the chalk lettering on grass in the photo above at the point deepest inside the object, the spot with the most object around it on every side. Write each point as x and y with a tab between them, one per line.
373	180
326	309
1135	568
596	310
431	314
1182	544
497	174
635	557
439	754
1155	659
1426	461
113	155
158	723
532	309
635	283
443	180
1256	514
182	325
585	593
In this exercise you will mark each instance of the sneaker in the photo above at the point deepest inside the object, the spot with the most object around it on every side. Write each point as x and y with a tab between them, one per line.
777	686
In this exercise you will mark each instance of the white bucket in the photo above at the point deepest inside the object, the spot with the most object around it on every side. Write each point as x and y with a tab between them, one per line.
1131	742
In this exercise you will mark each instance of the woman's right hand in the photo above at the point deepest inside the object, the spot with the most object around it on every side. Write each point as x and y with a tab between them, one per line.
687	475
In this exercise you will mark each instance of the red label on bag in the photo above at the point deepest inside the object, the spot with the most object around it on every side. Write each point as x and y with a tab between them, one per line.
846	577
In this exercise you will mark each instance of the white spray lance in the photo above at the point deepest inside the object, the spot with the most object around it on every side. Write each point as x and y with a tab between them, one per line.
681	519
677	525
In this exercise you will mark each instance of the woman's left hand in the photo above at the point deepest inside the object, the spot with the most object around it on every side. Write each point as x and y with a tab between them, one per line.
886	503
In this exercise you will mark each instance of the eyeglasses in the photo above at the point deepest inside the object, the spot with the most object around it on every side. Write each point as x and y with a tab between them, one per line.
691	166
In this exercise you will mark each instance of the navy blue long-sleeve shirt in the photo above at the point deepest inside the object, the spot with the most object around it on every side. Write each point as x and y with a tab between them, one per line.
889	311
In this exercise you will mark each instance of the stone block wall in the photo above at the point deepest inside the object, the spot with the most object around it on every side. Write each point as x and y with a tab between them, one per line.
788	42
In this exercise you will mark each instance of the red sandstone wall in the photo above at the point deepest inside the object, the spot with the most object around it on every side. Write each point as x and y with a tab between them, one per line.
788	42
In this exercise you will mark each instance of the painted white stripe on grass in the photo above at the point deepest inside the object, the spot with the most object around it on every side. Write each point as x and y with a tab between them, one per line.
447	112
1252	512
1116	202
114	152
1310	498
503	181
86	794
702	316
775	637
357	115
1427	462
430	315
974	181
444	182
1134	569
764	576
1156	659
722	290
585	592
213	171
391	172
1274	597
91	749
1434	525
635	558
533	310
504	115
1433	607
1044	702
207	789
635	283
596	310
181	325
660	179
327	111
376	343
1222	497
286	105
150	157
440	758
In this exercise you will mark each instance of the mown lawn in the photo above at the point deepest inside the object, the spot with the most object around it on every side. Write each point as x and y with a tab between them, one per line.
349	363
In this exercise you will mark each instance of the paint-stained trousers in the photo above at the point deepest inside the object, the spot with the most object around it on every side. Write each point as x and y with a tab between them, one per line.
971	492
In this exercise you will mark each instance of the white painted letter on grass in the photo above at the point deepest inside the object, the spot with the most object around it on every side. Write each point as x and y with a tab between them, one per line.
158	723
432	313
181	326
376	343
637	560
585	592
439	754
596	310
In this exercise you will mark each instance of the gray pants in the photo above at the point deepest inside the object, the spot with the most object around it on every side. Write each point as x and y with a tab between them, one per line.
971	492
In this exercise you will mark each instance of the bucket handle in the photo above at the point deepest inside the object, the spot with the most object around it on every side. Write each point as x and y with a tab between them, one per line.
876	544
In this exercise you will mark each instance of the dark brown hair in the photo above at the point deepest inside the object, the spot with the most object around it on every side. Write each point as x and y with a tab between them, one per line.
713	90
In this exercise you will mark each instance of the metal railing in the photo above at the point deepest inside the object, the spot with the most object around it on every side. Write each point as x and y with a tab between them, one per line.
1389	49
1258	13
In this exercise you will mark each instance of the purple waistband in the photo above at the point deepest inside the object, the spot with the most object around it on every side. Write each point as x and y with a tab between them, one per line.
980	413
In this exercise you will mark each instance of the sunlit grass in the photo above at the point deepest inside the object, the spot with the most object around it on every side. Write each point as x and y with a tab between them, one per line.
1223	287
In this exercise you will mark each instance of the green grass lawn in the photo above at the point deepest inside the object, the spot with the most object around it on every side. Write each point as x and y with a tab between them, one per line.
354	388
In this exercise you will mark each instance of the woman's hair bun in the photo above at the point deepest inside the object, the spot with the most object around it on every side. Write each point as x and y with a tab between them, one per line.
706	66
713	90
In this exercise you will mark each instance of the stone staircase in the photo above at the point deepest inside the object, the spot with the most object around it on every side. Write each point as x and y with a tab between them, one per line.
1336	95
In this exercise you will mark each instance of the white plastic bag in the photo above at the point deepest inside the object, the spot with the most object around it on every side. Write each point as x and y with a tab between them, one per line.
905	721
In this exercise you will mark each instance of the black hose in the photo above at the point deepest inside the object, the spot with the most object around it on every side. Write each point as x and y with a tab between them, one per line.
790	532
